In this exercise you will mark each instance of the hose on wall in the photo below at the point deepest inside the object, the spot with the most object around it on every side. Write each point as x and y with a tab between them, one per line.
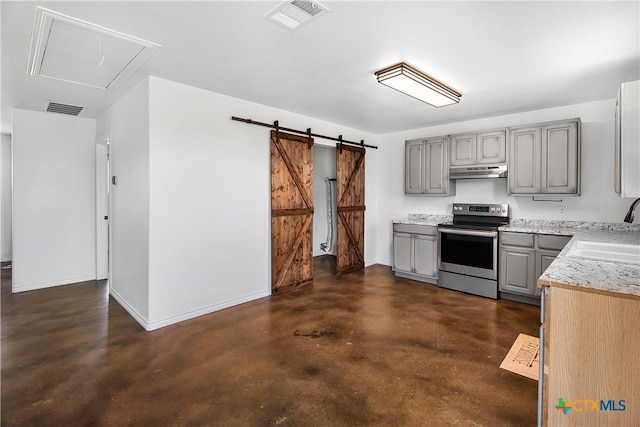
328	245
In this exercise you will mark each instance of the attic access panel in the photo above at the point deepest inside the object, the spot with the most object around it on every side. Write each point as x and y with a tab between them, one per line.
76	51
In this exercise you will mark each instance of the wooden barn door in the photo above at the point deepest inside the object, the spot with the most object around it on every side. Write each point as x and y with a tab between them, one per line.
350	197
291	211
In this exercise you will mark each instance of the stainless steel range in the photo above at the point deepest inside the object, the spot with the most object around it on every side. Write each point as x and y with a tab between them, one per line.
468	249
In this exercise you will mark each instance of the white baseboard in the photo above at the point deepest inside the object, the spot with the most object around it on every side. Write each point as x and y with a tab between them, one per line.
150	326
32	287
132	311
378	261
206	310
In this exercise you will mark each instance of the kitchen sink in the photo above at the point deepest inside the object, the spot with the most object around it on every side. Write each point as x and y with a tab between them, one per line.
599	251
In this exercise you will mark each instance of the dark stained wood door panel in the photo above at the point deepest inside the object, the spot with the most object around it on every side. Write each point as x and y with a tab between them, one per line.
351	208
291	211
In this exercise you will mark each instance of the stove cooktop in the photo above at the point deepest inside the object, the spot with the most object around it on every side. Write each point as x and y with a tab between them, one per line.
478	216
492	210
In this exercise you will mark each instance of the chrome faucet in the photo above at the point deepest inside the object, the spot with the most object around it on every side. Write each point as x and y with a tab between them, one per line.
631	212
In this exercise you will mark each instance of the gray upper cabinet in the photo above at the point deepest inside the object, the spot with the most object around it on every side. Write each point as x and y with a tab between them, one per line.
463	149
627	140
427	166
414	167
524	161
492	147
560	158
481	148
437	162
545	159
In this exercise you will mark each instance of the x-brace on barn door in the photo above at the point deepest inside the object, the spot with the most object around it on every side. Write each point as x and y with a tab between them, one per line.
350	196
291	211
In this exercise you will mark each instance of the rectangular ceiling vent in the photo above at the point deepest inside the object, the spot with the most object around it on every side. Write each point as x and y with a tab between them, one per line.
56	107
293	14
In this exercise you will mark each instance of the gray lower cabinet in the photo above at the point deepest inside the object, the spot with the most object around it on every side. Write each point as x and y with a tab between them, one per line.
427	167
545	159
544	258
517	263
415	252
523	258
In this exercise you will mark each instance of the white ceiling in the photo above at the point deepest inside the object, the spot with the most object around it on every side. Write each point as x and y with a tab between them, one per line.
502	56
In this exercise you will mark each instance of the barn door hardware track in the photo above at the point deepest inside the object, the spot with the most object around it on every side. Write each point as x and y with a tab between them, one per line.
307	132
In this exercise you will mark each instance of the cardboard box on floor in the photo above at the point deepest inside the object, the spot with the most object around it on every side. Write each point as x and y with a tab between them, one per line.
524	357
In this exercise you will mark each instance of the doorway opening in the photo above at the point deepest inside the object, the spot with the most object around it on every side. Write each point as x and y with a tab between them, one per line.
293	209
325	215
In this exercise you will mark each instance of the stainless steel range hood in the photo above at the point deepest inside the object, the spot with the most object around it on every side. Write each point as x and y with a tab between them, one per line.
475	172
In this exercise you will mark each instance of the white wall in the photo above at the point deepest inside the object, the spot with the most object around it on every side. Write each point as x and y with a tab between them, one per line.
597	202
54	200
5	196
126	123
208	211
324	166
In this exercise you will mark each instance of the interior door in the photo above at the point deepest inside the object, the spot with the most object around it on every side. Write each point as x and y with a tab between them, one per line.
291	211
102	211
350	196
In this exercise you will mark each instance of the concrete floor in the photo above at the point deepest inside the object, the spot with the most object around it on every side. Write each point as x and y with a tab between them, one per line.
362	349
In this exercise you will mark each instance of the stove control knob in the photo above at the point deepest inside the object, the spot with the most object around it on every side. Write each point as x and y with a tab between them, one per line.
493	209
504	210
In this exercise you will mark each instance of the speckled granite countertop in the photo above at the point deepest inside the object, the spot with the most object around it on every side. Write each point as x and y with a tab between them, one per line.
565	228
584	274
570	272
588	275
423	219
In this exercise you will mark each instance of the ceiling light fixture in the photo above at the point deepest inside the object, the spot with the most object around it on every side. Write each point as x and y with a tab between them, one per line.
413	82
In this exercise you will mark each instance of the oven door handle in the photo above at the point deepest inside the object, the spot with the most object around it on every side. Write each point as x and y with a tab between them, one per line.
469	232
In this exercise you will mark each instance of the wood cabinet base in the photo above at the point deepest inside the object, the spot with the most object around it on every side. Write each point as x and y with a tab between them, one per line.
591	359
